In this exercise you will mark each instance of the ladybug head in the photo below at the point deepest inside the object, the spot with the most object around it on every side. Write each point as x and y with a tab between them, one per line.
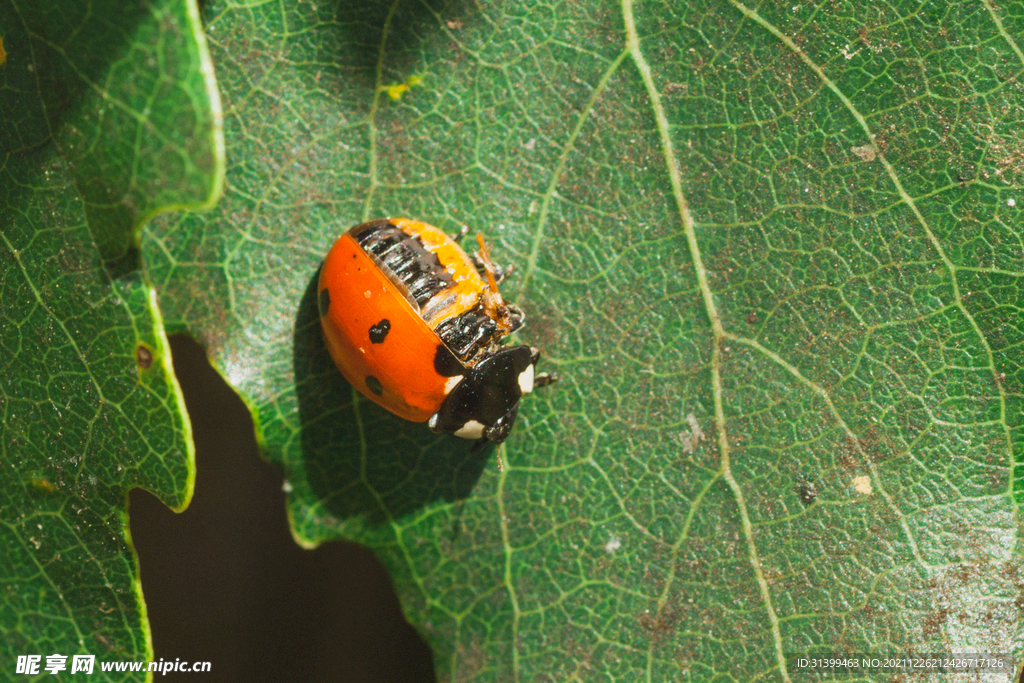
483	405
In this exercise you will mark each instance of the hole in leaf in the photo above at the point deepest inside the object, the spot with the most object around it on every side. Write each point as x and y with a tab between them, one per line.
224	581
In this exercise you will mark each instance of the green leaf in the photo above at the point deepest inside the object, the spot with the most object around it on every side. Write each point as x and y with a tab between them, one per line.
107	118
773	252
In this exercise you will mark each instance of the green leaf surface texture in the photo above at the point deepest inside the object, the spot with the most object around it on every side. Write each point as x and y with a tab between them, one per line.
774	253
107	118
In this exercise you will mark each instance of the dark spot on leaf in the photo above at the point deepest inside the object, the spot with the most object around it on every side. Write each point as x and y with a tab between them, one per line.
751	318
808	492
323	302
660	625
144	357
374	385
933	622
379	331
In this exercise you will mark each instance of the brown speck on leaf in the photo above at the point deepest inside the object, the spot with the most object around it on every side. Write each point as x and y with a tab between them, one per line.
691	439
963	573
1011	571
144	357
933	622
876	445
751	318
661	624
865	152
1008	156
103	641
454	24
848	459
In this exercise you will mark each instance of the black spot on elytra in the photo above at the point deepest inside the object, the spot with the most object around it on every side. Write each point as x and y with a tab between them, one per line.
379	331
323	302
446	364
144	357
374	385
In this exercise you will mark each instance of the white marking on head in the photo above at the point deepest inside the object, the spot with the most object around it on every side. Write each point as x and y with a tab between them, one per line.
451	383
526	379
471	430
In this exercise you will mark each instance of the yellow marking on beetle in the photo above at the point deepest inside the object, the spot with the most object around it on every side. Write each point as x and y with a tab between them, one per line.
463	294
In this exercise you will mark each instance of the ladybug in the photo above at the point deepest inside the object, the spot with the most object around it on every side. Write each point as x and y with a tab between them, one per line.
417	326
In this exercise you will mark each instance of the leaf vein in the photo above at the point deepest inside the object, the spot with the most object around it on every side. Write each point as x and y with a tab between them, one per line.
675	178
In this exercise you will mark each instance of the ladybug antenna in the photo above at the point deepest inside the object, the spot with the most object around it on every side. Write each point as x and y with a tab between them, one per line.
494	305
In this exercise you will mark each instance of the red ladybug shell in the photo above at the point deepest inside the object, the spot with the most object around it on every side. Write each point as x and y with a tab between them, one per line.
386	288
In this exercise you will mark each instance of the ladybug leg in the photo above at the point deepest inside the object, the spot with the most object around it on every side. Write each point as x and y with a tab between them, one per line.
542	379
498	431
463	231
516	318
545	378
488	269
500	272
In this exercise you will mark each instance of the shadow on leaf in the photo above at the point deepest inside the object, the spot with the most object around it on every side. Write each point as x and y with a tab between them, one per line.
67	65
354	43
361	459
